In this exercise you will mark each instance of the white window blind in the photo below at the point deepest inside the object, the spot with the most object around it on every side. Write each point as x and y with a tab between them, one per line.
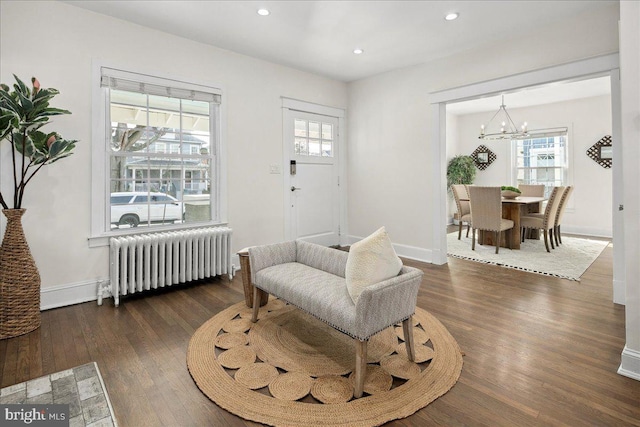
140	83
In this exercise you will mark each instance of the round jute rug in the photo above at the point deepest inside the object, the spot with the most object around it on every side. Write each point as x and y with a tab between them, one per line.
291	369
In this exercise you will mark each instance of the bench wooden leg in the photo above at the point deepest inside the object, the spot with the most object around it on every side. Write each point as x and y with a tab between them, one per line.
361	367
256	304
407	329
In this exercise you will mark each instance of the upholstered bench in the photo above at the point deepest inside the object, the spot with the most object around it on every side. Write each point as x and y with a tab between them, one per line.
312	278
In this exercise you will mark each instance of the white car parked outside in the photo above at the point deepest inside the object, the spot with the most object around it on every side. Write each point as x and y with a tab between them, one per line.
133	208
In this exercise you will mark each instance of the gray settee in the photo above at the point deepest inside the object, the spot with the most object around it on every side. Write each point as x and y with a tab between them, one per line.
312	278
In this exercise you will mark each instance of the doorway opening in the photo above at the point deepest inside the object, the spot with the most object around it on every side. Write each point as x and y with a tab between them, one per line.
605	66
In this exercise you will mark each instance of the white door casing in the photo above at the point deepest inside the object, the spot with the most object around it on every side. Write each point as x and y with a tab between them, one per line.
312	195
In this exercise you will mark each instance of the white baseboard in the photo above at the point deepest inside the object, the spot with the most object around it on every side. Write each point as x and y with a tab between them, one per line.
405	251
76	293
69	294
587	231
630	363
619	292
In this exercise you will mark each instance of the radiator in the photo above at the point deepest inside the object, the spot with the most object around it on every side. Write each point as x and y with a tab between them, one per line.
156	260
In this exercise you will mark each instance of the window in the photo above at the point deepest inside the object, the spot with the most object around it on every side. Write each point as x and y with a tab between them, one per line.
541	160
160	136
160	147
313	138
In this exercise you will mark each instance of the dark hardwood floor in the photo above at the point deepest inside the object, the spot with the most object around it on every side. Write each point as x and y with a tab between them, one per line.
538	350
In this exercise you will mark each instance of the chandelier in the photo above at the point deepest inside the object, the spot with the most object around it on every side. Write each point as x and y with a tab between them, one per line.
507	128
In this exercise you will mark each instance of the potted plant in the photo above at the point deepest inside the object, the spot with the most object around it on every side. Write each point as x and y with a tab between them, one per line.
460	170
23	112
509	192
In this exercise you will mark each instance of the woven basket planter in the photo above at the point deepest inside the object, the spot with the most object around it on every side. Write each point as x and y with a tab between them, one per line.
19	281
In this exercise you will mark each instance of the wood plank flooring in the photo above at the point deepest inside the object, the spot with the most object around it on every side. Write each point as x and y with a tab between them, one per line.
538	350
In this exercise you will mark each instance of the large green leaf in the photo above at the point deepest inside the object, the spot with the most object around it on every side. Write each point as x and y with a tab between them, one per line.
26	103
40	140
9	102
60	149
21	87
54	112
45	94
23	145
6	119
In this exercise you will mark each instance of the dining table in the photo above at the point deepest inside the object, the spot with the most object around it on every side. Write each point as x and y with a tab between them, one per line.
513	209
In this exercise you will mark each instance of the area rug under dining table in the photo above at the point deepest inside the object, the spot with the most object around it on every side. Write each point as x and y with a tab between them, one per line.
568	261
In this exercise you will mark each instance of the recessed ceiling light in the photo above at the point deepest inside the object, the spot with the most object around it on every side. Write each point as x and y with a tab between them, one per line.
451	16
358	51
263	12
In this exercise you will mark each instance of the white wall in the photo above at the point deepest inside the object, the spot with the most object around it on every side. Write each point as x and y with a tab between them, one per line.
389	168
56	42
630	107
588	120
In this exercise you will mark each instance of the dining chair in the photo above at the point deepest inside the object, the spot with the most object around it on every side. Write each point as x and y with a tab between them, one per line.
563	204
545	221
531	190
461	197
486	211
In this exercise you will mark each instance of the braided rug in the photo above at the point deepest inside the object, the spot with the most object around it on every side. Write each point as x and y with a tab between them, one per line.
292	369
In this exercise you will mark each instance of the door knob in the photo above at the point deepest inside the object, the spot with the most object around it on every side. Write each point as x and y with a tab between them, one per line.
295	188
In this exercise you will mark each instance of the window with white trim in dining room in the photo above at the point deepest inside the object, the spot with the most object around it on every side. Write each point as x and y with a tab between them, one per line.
541	159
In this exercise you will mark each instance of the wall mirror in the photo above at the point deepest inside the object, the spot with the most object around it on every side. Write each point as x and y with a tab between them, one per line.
483	157
606	152
602	152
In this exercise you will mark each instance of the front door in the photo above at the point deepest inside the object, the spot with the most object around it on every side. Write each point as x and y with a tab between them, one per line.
312	190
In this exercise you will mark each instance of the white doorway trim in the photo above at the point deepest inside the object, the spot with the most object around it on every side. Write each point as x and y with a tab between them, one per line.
578	70
339	113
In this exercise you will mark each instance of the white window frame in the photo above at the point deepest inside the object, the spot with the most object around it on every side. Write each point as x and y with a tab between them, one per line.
566	168
162	145
100	209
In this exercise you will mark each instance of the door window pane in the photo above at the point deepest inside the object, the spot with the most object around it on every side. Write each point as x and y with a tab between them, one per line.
314	147
300	127
313	138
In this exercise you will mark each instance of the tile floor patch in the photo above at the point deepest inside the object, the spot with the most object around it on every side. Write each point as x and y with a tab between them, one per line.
105	422
41	399
74	404
12	389
96	409
85	371
61	374
81	388
89	388
38	386
17	397
64	386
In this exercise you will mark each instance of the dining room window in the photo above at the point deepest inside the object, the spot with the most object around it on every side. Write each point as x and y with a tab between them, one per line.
541	160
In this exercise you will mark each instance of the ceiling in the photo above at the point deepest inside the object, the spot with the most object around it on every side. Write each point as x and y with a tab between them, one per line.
320	36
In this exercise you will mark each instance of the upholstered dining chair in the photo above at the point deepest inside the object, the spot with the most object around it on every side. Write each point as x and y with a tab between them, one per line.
531	190
486	211
563	204
461	197
545	221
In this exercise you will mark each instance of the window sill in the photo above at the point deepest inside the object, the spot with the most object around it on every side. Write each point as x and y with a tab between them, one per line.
103	239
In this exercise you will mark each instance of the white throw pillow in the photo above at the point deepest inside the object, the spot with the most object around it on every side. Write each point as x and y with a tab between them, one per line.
370	261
